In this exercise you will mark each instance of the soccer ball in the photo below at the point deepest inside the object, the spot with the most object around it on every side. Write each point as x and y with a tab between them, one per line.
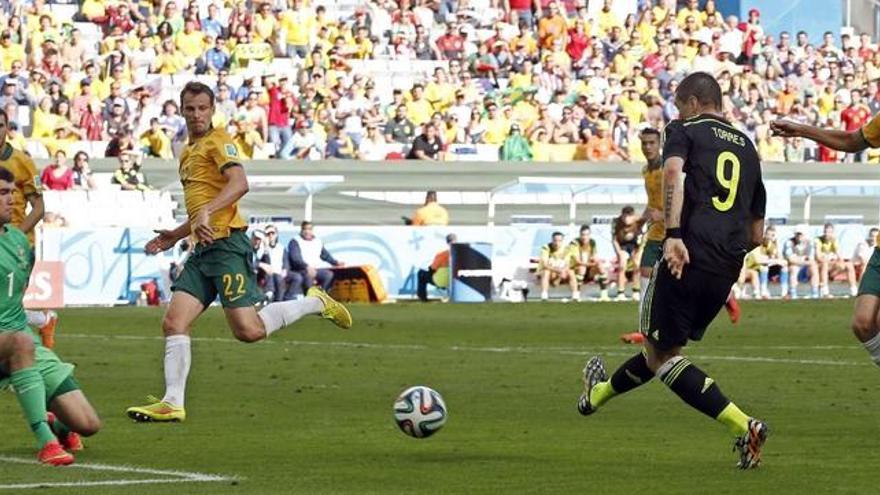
419	411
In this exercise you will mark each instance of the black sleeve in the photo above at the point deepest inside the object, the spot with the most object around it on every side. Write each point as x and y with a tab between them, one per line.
294	257
676	141
326	256
759	200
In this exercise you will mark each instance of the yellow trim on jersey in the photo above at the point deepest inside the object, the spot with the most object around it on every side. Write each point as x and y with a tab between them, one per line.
710	119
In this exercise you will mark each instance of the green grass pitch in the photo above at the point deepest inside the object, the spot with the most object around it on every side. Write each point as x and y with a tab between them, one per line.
310	410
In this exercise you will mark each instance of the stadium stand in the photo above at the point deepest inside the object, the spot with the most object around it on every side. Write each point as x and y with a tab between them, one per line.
324	72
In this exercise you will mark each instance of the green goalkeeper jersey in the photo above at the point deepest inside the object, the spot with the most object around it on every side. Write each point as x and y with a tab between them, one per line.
16	262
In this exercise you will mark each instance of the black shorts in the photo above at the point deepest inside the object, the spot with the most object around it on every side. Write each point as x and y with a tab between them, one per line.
678	310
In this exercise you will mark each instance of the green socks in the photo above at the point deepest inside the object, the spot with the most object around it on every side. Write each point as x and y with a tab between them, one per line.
31	393
61	430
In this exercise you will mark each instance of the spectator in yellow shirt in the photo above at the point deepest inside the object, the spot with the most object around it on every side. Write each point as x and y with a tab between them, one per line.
10	52
432	213
155	141
299	23
692	10
419	109
265	25
497	126
190	41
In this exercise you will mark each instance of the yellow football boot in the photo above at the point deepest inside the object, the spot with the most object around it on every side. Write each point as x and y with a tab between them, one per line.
157	411
333	309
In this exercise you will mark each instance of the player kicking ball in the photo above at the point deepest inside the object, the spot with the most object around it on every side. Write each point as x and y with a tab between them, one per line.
714	216
36	374
213	181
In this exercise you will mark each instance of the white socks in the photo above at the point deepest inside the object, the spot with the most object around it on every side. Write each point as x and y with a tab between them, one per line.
280	314
178	356
36	319
644	286
873	348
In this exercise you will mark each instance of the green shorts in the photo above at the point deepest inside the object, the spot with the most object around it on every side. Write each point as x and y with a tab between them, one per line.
57	375
222	268
870	283
651	254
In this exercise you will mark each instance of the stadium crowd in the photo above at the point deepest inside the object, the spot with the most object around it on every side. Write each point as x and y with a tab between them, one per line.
522	76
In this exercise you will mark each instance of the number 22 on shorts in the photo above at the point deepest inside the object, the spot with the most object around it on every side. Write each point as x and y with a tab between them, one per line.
229	280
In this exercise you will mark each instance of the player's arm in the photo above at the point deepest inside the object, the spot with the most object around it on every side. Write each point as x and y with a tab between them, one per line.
166	239
38	209
758	210
675	152
32	195
236	187
850	142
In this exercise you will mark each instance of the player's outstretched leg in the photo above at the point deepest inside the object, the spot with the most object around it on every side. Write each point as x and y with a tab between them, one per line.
699	391
278	315
598	389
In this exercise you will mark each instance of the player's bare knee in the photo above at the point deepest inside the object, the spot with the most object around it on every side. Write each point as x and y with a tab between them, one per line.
249	334
863	327
90	426
173	326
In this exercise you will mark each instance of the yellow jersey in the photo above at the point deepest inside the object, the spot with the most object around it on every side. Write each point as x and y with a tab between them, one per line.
27	183
201	172
561	258
871	133
654	188
826	246
431	214
583	254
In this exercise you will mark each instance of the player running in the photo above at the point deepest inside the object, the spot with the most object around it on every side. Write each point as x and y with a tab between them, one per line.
714	215
36	374
27	191
213	181
865	323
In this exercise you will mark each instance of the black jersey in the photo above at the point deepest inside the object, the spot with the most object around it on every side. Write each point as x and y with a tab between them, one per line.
723	191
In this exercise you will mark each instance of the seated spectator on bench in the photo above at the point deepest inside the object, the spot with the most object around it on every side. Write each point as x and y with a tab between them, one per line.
554	268
434	275
830	263
274	255
798	252
586	265
770	263
863	252
304	253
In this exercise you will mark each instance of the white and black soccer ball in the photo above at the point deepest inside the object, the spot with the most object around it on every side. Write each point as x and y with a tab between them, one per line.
419	411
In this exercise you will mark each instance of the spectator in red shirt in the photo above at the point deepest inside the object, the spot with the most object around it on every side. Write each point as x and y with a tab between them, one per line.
280	102
854	117
57	176
522	9
578	42
451	44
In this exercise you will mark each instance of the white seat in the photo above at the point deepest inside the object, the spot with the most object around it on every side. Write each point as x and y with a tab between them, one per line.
36	149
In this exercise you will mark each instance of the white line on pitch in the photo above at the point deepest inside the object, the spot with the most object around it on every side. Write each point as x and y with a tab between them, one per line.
607	350
84	484
171	476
